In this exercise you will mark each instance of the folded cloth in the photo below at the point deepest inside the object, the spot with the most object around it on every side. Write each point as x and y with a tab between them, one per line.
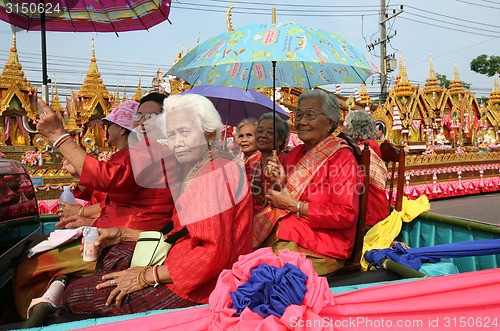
56	238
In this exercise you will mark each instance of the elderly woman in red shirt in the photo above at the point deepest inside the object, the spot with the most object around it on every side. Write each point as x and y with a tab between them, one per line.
360	126
316	210
215	206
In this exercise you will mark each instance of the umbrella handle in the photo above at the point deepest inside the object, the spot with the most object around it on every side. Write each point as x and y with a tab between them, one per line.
27	127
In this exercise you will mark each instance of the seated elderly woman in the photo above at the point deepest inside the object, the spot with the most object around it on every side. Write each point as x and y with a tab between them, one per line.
127	204
361	127
219	225
245	137
316	211
266	142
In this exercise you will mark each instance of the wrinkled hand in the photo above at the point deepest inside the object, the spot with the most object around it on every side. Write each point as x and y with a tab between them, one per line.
68	209
73	222
275	172
281	199
49	124
125	282
109	237
69	167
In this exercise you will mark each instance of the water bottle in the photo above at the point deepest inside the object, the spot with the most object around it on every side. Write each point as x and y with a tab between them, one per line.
89	249
67	196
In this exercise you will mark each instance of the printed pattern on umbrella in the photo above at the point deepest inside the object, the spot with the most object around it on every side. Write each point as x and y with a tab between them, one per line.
85	16
305	57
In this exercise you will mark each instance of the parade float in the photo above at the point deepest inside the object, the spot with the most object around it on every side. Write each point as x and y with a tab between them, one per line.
82	112
449	136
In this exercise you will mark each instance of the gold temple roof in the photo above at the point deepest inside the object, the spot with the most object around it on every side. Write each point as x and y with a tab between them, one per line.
403	87
432	84
92	84
12	72
495	94
456	86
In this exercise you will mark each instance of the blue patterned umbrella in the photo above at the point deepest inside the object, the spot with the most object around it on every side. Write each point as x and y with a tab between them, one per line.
303	57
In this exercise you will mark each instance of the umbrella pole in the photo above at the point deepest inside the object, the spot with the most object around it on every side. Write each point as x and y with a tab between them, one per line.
274	104
45	88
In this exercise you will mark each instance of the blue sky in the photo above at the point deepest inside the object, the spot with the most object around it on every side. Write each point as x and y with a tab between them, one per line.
447	29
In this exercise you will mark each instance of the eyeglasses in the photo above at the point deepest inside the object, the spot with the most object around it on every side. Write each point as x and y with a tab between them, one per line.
138	116
309	115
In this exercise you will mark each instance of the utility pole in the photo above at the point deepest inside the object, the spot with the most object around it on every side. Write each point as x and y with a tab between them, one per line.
385	66
383	54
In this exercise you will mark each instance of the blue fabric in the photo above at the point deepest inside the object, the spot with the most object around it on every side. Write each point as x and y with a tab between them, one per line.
414	257
269	290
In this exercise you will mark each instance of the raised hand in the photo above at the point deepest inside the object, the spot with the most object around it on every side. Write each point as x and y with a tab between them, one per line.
49	124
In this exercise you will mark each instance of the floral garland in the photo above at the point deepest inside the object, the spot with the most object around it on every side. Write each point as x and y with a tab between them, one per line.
105	156
31	158
458	169
2	155
48	187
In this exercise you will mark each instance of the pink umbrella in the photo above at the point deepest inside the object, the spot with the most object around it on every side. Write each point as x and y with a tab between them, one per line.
82	16
85	16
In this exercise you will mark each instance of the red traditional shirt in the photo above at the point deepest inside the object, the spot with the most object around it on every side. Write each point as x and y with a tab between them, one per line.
333	200
130	205
378	205
215	242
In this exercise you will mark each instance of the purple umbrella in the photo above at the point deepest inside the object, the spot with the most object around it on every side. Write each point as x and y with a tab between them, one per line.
235	104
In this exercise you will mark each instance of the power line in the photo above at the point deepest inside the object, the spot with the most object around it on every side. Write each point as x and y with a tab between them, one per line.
446	27
451	17
476	4
441	21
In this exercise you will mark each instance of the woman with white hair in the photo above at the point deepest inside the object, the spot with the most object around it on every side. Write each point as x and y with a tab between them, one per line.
316	211
360	126
215	206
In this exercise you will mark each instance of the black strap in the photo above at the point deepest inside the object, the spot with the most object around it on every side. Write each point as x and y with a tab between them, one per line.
168	228
176	236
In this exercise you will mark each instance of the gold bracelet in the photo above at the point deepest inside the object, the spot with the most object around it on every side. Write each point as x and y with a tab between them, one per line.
143	272
80	212
139	279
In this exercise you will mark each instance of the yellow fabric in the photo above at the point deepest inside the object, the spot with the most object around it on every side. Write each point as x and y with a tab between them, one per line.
382	234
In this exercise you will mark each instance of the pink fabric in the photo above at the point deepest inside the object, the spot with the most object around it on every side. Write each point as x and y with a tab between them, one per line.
433	303
7	120
19	120
122	114
51	207
450	189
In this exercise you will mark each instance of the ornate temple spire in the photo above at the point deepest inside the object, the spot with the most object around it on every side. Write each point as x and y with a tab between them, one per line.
138	93
117	96
365	96
92	84
180	54
55	103
12	71
456	86
495	94
124	91
403	88
398	77
228	19
432	84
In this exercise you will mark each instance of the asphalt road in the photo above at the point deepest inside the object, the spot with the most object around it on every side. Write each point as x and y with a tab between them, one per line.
482	207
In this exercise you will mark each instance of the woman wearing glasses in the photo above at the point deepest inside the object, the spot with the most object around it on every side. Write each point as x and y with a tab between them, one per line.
266	142
316	211
127	203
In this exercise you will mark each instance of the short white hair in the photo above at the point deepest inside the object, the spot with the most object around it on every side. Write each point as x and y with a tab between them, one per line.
205	114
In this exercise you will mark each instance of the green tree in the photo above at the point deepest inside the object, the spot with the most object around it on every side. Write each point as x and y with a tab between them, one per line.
445	83
486	66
